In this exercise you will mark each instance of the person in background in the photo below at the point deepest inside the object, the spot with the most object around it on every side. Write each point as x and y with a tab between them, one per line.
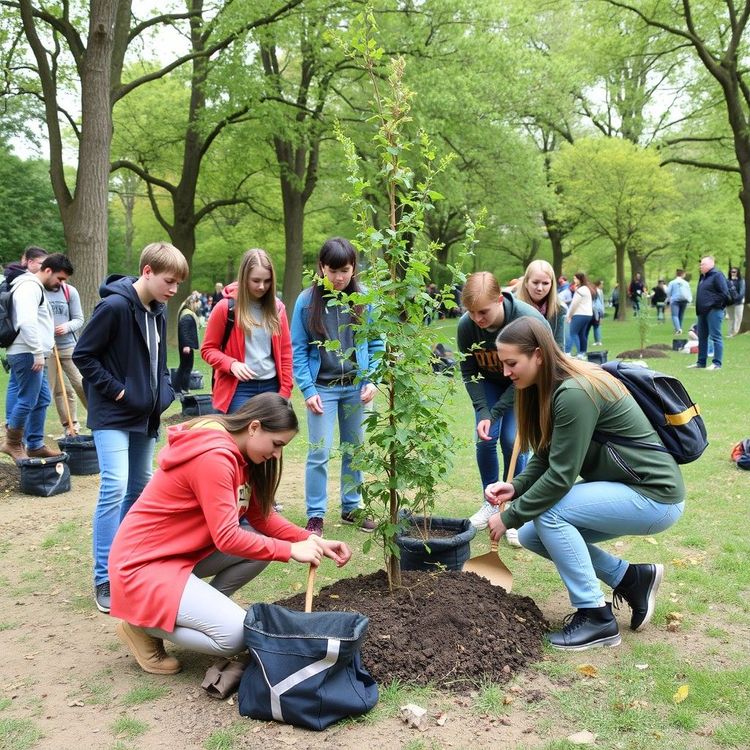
187	342
186	526
538	288
488	310
334	384
565	291
122	355
659	300
735	308
66	309
597	304
28	397
614	300
31	261
218	294
623	489
250	350
711	298
581	313
636	291
678	298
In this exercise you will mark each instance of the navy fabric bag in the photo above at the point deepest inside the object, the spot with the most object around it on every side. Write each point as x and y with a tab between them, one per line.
306	668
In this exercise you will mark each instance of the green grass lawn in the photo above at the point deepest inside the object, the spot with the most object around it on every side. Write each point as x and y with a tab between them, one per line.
700	628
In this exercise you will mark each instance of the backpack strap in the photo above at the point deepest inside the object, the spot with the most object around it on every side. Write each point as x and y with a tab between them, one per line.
229	325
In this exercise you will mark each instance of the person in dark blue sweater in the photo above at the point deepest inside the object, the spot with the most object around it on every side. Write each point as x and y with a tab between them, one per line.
122	356
711	299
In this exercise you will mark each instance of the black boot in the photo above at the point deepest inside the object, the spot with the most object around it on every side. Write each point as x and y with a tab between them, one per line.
587	628
638	588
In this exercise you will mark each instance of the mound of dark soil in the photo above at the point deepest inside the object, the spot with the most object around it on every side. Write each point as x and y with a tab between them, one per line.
10	477
448	629
174	419
660	347
650	353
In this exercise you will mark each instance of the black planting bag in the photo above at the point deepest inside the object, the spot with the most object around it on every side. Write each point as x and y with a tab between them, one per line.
45	477
669	408
306	668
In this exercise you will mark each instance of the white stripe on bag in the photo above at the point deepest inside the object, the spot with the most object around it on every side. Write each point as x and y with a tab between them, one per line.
332	655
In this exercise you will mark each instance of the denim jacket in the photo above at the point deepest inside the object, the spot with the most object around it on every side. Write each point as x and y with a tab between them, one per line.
306	355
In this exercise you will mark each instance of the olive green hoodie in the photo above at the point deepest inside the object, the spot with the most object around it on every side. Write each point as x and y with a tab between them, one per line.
578	410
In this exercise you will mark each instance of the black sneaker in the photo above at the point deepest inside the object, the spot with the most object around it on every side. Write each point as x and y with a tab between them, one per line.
587	628
315	525
102	597
638	588
363	524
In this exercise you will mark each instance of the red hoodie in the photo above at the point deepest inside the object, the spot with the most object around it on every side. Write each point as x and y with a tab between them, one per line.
225	384
189	509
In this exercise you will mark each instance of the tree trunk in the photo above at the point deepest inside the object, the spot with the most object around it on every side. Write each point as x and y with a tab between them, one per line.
637	265
294	229
745	201
622	285
555	239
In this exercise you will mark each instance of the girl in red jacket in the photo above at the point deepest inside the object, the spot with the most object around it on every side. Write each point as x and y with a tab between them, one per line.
247	337
185	527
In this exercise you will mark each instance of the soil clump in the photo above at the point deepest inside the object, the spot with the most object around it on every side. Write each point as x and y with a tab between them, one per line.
649	353
448	629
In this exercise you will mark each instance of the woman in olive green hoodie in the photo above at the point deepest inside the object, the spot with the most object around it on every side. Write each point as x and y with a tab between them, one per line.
624	490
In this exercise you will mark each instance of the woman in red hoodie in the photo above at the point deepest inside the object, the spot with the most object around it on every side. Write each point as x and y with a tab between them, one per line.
247	339
185	527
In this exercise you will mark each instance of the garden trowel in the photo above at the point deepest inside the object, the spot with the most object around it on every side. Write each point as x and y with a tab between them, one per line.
489	565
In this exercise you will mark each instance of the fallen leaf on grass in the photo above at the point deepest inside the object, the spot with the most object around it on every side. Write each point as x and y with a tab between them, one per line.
641	666
682	692
333	596
74	704
587	670
651	540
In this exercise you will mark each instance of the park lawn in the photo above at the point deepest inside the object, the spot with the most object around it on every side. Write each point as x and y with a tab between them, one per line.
681	688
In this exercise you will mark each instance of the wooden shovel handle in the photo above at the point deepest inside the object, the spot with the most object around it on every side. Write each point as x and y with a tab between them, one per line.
310	584
61	381
511	472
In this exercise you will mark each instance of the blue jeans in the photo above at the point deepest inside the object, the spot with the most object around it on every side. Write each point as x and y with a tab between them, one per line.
660	311
596	325
27	399
593	512
342	403
709	327
504	429
125	464
249	388
678	313
579	332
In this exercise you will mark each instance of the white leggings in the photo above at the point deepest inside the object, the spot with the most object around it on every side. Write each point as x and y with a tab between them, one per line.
208	621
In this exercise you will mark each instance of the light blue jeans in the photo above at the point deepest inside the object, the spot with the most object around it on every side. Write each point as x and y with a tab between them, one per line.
125	465
342	403
593	512
27	399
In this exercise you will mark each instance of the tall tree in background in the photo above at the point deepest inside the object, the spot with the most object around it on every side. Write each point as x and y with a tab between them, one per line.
616	190
717	32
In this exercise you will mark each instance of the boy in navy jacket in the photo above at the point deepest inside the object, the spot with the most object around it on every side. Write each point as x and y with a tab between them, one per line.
122	357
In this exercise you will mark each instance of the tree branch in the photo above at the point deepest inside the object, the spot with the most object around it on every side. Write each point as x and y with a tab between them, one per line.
701	165
144	174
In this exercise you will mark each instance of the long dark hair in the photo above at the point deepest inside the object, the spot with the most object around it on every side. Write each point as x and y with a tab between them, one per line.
534	412
335	253
275	414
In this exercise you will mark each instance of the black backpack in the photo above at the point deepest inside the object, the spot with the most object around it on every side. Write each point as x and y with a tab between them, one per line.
8	332
227	333
669	408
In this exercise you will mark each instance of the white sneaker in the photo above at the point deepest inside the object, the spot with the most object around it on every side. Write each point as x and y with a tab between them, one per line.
480	520
511	536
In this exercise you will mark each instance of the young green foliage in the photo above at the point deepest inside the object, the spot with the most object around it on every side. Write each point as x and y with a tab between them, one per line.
409	443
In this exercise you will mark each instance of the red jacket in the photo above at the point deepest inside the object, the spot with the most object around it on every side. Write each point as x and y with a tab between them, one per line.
190	508
225	384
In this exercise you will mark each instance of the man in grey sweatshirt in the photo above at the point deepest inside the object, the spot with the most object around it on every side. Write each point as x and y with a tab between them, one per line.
28	392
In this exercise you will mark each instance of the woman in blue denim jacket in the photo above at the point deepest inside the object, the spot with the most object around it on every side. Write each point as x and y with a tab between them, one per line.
334	382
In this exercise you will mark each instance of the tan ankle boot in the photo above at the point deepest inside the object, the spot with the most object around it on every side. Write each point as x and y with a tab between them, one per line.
42	452
13	444
148	651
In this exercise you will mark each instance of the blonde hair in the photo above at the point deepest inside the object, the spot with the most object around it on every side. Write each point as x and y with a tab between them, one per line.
534	413
255	258
164	258
480	287
522	293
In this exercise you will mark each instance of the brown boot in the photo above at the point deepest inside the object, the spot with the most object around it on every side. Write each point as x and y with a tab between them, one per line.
42	452
148	651
13	444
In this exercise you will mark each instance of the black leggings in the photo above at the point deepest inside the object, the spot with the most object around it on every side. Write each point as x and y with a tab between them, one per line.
182	376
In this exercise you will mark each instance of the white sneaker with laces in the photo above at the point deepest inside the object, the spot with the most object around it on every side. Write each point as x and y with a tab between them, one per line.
511	536
480	520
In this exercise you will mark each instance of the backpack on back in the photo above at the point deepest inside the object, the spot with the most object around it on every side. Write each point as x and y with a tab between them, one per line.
228	326
8	332
669	408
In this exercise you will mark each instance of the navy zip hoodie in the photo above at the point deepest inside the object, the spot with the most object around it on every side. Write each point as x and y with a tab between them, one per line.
712	292
113	354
